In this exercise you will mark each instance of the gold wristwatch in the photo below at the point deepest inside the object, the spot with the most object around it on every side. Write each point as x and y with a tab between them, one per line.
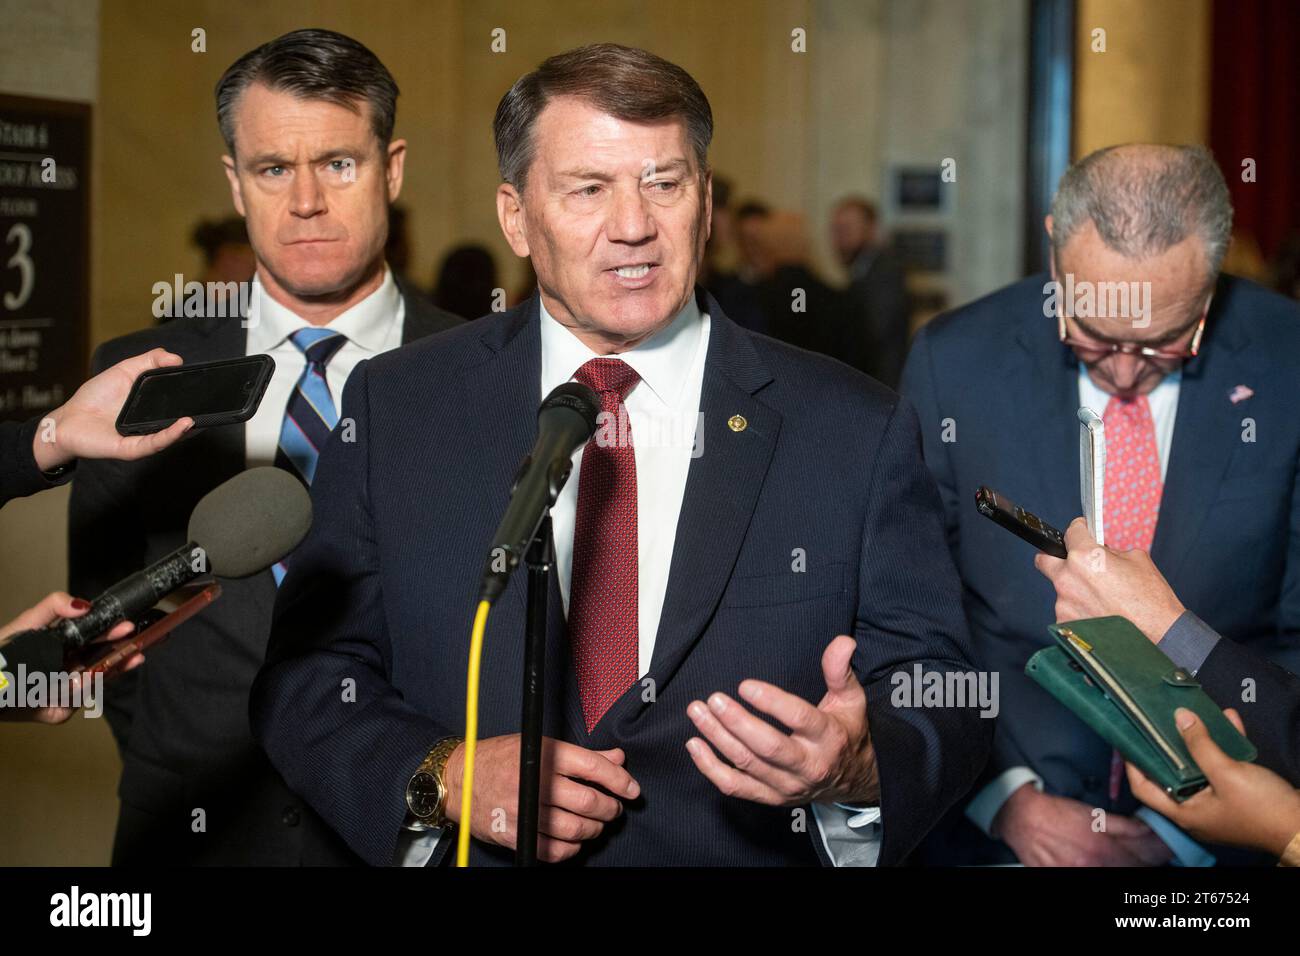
426	792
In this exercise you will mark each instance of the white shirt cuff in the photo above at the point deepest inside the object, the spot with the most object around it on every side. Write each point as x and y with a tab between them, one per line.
850	835
988	801
416	847
1187	852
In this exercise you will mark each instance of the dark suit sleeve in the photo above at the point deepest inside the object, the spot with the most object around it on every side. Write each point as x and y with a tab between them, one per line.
910	614
323	706
106	542
1288	612
20	476
918	385
1272	719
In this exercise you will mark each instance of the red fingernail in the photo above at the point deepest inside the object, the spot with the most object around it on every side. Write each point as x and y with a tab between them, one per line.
79	605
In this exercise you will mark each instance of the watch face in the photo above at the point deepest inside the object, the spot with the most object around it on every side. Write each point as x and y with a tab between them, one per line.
422	795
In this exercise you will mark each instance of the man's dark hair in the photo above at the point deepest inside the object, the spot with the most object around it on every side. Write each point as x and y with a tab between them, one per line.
751	209
627	83
313	65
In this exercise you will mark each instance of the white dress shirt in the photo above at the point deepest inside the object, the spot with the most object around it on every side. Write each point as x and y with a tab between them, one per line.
663	409
372	326
671	366
1163	400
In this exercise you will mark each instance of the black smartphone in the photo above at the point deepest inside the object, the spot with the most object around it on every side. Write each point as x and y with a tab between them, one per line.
1018	521
212	393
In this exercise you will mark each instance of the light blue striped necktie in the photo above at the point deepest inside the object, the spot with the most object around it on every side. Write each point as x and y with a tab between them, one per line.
310	415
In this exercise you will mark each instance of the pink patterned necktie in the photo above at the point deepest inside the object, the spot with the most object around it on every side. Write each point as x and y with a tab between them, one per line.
1133	485
603	592
1131	498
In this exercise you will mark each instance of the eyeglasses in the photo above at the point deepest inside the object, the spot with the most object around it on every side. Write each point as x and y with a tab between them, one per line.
1105	349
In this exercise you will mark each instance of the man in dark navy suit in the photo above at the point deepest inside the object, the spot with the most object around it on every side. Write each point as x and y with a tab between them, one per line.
1197	377
313	166
746	589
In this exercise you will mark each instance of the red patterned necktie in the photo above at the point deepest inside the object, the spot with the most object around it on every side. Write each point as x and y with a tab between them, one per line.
603	587
1131	497
1133	486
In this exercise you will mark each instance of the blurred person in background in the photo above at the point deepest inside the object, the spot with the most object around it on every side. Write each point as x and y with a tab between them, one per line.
799	307
227	259
717	274
227	255
877	342
467	282
748	224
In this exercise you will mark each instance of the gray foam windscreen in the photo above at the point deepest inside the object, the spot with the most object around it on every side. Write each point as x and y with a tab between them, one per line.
250	522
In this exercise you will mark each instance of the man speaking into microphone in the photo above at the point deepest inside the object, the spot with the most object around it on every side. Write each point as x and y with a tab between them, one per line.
731	601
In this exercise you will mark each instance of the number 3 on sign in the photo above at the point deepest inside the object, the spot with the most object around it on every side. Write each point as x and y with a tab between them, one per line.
20	260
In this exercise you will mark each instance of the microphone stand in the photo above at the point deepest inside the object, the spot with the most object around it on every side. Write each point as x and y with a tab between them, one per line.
539	557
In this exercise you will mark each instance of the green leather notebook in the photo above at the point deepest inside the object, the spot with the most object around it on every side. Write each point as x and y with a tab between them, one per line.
1124	688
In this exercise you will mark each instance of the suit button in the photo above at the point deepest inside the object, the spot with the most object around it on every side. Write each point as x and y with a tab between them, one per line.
291	816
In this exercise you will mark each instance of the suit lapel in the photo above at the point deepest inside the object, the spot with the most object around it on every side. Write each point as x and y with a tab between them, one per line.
1207	433
722	488
420	318
513	374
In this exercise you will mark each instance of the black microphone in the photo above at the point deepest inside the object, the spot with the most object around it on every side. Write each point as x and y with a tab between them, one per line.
237	529
565	421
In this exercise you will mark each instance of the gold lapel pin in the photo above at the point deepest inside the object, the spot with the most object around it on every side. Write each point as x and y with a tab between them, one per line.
737	423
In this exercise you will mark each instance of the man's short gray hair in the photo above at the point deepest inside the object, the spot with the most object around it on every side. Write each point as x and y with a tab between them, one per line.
1144	199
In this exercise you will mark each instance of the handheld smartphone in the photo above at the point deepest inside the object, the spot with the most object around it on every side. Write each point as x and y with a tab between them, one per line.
1092	470
1022	523
156	624
212	393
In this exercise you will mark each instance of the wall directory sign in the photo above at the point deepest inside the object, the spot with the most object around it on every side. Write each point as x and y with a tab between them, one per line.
44	252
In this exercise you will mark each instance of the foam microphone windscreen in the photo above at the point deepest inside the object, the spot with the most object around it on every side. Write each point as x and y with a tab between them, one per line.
250	522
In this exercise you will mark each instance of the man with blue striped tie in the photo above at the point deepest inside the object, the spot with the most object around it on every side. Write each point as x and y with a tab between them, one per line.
313	167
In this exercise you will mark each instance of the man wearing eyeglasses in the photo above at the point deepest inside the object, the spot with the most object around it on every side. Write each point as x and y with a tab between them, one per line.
1197	376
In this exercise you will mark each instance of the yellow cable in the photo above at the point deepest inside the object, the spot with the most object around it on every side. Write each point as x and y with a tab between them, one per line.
471	731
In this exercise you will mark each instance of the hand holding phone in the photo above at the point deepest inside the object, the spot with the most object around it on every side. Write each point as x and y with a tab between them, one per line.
225	392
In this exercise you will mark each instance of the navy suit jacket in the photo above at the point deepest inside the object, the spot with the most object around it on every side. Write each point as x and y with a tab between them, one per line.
383	591
181	720
1228	531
